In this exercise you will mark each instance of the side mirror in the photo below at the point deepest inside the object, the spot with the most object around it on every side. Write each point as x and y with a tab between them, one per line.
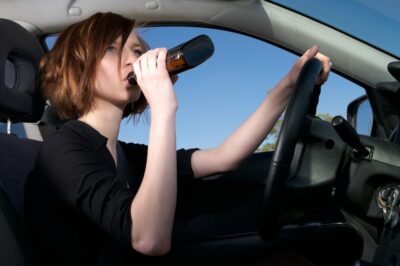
360	115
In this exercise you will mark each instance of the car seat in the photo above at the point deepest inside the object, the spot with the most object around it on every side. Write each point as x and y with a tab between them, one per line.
20	101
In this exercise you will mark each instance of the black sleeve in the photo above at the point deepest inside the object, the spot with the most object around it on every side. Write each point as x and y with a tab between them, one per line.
184	161
76	176
137	155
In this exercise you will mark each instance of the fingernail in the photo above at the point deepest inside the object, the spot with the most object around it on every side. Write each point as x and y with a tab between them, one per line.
314	49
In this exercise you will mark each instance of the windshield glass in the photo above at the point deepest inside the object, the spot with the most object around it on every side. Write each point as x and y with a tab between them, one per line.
374	22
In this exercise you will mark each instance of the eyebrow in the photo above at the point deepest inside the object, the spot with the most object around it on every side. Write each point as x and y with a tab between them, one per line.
135	45
117	41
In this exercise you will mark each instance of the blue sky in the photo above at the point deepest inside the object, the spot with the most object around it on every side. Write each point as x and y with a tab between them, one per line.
375	22
217	96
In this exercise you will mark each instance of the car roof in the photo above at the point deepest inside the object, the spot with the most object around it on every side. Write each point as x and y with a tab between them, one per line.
261	19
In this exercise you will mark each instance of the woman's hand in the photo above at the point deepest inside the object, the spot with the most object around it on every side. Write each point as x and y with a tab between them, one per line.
153	208
293	74
245	140
154	80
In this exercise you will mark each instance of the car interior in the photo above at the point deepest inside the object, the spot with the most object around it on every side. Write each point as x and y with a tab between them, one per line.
326	192
21	101
210	235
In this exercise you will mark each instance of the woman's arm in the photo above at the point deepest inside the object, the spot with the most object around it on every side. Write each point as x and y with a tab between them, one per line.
245	140
153	207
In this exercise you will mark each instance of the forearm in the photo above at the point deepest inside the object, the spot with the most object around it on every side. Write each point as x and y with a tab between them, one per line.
253	131
153	208
244	140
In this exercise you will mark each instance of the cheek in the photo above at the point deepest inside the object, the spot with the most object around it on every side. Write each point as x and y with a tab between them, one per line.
107	69
99	76
104	77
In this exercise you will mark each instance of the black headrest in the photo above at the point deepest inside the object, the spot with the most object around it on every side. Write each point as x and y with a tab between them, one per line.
20	53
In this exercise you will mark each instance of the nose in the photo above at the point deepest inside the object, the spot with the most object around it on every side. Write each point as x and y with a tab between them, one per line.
128	58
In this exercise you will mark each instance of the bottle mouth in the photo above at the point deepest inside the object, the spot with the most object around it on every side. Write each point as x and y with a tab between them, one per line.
132	78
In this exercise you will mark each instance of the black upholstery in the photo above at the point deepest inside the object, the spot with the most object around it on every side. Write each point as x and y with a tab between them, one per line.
20	52
17	159
20	101
13	244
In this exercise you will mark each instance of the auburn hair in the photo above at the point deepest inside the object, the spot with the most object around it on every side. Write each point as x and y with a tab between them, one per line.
68	71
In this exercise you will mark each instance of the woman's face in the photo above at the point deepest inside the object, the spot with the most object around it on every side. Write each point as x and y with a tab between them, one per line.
111	83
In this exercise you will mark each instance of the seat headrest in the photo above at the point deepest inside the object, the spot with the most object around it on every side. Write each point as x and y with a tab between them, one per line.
20	53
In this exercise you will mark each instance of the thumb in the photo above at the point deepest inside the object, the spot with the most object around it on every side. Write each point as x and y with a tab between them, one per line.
311	53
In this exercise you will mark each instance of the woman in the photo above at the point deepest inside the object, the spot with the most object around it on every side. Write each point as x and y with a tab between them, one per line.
80	209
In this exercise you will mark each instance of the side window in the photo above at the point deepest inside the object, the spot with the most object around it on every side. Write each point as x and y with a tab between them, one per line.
336	93
16	129
217	96
49	41
364	119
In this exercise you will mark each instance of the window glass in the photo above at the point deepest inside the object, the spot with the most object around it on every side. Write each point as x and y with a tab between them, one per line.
50	40
374	22
16	129
364	118
217	96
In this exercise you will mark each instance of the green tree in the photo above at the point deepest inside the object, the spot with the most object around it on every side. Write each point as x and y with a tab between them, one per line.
269	143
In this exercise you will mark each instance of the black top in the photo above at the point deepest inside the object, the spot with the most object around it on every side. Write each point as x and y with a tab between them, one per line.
77	206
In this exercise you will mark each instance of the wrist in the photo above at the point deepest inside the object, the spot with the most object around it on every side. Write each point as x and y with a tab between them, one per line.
160	111
285	83
282	91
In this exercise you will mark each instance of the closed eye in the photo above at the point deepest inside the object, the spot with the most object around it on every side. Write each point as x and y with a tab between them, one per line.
111	49
137	52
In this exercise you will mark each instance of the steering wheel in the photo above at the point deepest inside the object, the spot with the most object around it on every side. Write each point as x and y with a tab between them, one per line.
291	130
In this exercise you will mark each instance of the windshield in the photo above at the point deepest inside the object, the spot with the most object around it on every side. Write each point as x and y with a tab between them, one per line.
374	22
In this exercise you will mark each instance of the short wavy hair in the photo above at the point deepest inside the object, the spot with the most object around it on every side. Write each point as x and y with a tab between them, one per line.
68	71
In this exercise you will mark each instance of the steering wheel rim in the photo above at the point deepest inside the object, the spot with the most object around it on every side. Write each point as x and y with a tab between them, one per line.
291	129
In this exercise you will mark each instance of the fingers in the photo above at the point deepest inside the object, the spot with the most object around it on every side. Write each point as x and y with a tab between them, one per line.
154	81
150	63
310	53
137	69
162	55
326	63
326	68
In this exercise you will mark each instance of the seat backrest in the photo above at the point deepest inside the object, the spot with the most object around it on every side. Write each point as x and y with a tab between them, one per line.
20	101
17	160
13	244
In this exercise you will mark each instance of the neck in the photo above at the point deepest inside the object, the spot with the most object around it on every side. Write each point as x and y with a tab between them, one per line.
106	121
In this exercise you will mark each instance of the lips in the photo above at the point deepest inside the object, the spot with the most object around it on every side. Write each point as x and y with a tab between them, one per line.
126	76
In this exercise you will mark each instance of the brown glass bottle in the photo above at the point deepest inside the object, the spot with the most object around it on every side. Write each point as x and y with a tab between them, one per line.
186	56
